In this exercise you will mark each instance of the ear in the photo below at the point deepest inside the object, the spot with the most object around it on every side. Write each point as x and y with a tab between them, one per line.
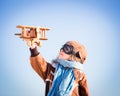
78	55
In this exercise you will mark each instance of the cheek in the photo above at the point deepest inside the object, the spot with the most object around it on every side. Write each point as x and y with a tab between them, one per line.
62	55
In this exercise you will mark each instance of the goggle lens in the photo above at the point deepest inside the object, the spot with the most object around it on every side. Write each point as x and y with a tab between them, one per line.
68	49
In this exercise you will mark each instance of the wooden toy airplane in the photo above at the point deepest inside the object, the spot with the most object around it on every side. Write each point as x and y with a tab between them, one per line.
32	33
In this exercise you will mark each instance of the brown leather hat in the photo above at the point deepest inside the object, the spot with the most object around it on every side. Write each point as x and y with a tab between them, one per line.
80	51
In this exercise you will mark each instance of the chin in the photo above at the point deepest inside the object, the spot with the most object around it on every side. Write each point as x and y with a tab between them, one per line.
60	57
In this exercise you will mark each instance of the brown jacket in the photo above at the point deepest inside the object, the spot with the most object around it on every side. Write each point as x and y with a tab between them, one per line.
46	71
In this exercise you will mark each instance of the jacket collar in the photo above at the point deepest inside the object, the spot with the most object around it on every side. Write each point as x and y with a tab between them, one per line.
70	64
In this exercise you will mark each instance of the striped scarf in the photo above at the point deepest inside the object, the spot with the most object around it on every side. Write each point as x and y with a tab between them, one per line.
64	78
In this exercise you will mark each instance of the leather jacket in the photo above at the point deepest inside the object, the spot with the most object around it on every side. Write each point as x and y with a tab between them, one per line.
46	71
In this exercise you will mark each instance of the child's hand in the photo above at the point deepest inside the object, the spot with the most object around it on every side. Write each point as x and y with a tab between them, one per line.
31	44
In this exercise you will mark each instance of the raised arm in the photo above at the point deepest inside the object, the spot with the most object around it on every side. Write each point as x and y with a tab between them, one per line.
38	63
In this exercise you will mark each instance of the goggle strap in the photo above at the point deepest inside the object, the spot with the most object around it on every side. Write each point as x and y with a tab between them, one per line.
77	55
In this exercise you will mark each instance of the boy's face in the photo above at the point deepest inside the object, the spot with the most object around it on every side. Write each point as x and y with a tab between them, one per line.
63	55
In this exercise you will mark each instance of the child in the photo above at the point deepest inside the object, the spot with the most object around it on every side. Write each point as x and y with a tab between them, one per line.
64	76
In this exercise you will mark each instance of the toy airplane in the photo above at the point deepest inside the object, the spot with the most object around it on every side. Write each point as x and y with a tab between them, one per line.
32	33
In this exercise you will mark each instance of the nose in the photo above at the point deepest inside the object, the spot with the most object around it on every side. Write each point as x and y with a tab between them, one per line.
61	50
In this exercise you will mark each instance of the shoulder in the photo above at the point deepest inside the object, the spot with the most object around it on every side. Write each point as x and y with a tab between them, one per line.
81	80
79	74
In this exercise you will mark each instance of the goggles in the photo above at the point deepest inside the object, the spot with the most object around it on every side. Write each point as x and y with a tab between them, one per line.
68	49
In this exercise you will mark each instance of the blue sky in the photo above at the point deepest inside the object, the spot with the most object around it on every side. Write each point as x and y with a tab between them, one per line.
94	23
